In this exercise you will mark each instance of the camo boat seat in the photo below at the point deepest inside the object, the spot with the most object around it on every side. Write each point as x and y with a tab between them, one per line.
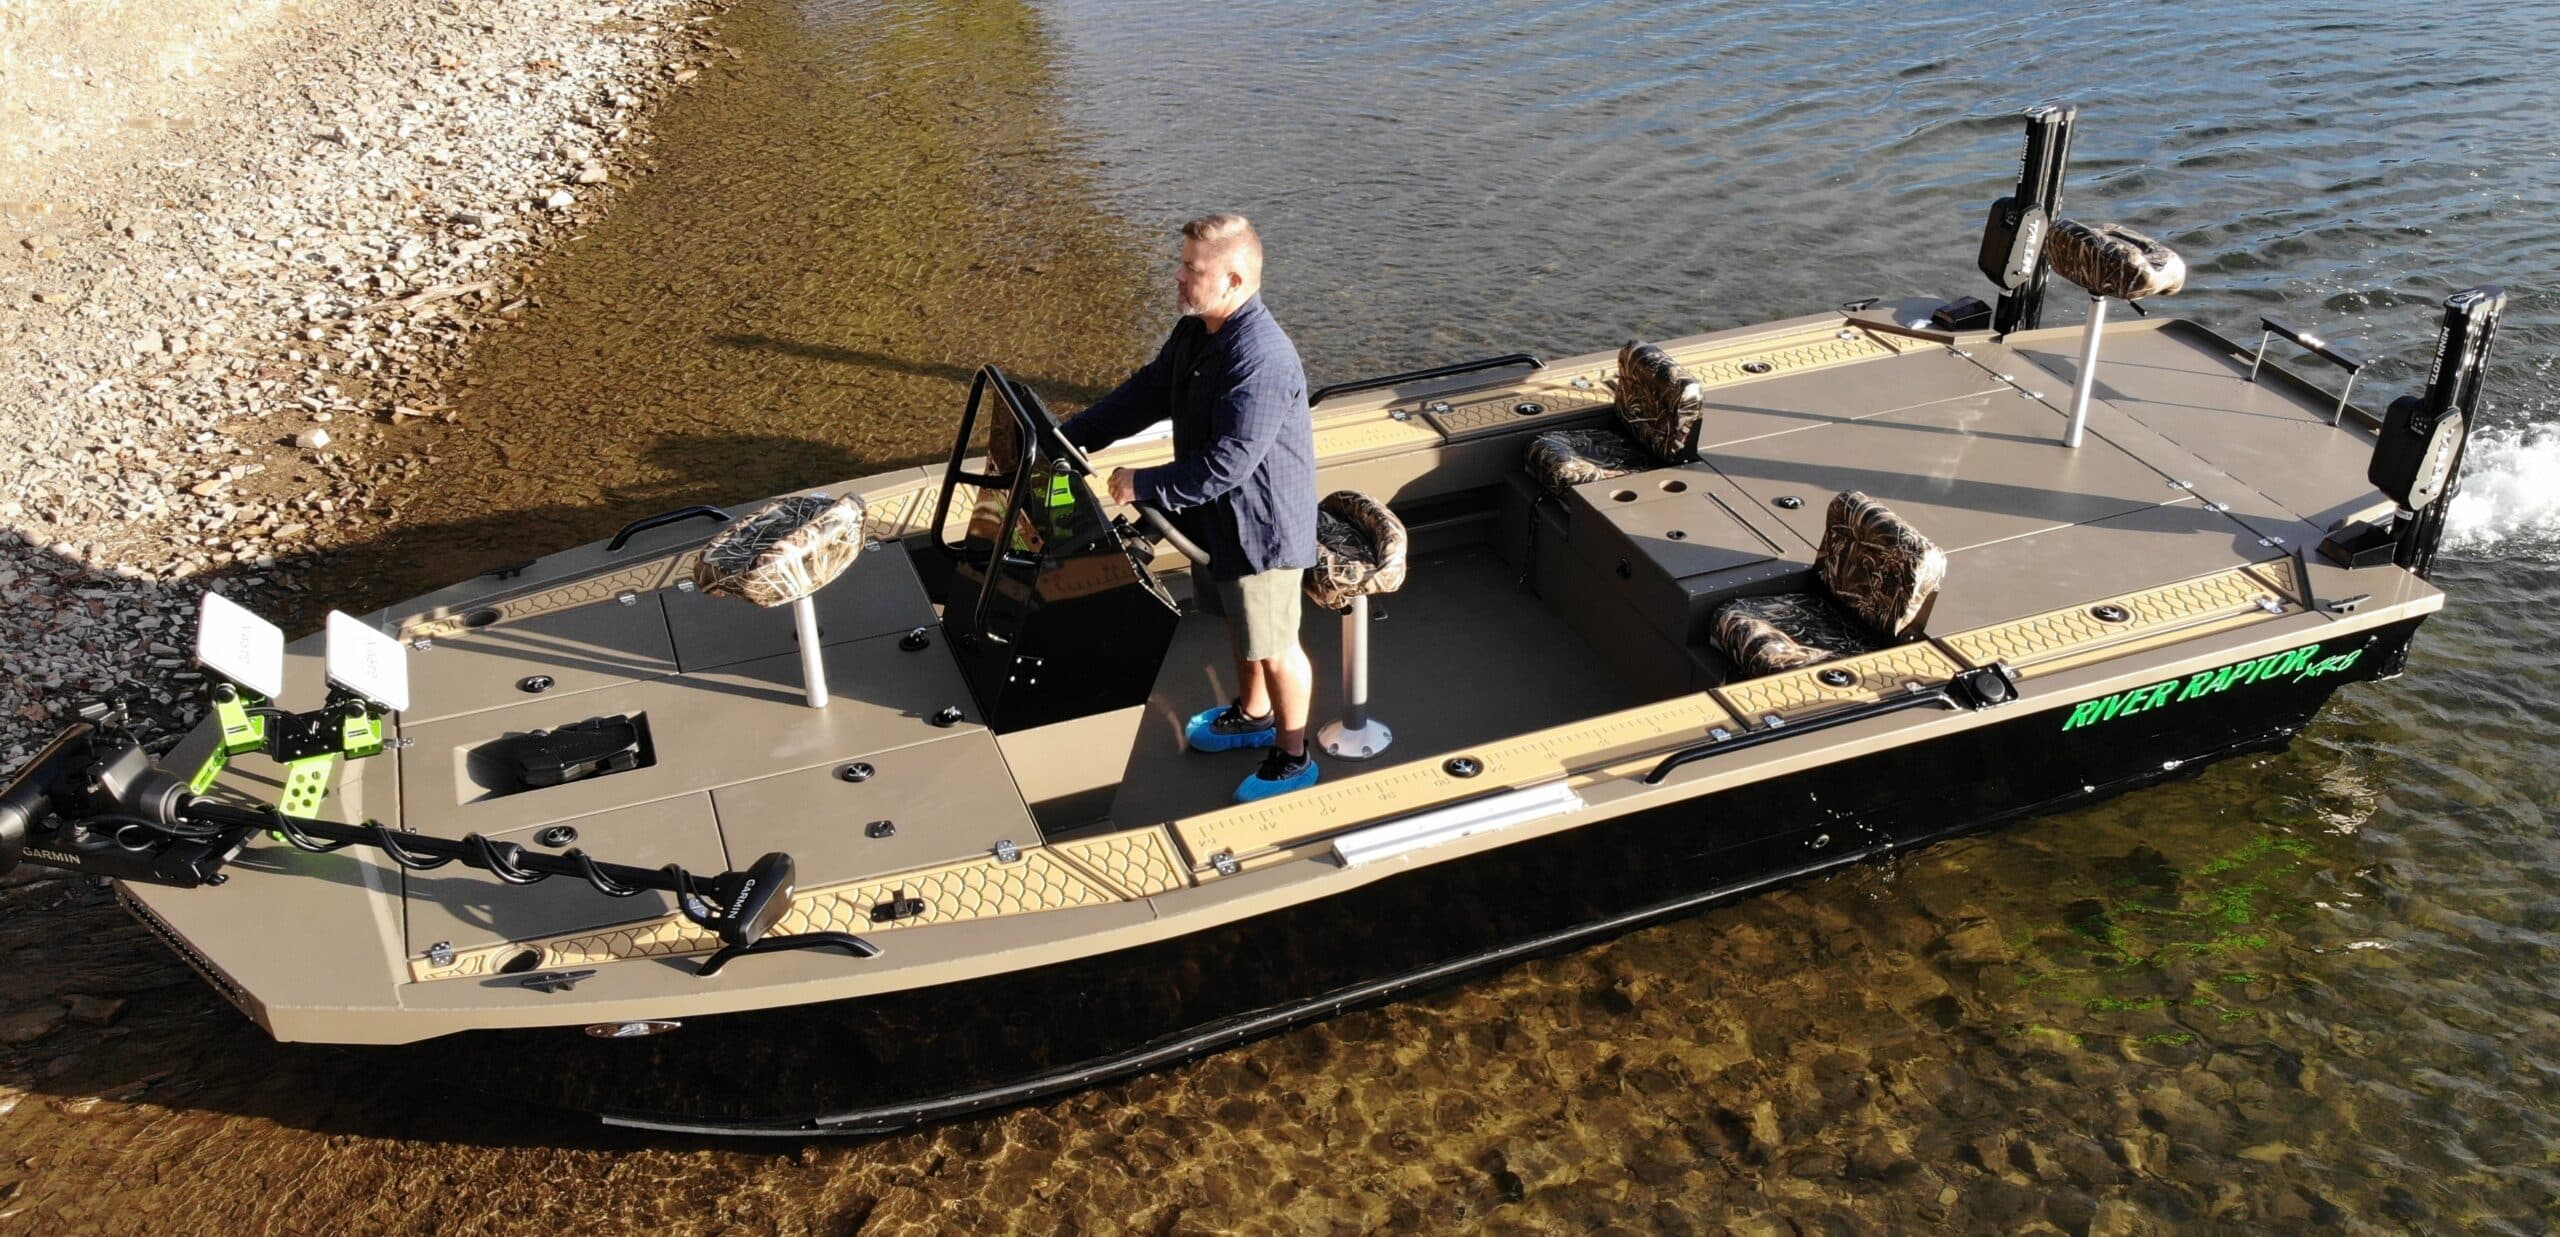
1360	550
1660	407
2114	260
789	549
1879	578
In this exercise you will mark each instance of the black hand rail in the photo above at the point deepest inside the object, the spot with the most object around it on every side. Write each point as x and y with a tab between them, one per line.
1438	371
2268	328
647	522
1981	688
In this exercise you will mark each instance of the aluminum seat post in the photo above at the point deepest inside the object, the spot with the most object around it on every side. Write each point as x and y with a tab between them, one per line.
1357	736
813	666
2088	371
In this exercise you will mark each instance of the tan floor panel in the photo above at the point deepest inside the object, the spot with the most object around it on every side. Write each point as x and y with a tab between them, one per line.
1245	830
1786	404
469	909
1464	655
2270	435
877	595
600	644
711	729
1992	584
949	799
1965	472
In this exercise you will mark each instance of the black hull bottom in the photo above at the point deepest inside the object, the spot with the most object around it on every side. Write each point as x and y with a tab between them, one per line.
870	1066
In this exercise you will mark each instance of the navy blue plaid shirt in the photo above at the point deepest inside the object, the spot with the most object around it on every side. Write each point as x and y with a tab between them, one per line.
1244	452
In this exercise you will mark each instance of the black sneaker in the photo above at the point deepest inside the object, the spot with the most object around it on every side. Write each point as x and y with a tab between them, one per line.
1280	773
1221	730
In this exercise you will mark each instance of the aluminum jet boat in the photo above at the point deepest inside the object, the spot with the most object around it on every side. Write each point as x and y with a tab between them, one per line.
868	805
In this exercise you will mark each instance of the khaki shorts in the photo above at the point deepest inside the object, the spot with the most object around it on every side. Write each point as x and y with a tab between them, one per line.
1261	612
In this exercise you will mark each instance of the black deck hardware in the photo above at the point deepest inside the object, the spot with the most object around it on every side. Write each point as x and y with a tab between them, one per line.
1504	361
554	981
858	771
574	752
903	906
510	571
880	829
663	518
916	641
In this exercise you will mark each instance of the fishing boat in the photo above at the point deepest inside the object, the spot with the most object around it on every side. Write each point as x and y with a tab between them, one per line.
869	805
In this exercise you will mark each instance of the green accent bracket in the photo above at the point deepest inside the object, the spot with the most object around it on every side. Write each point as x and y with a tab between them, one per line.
242	731
306	784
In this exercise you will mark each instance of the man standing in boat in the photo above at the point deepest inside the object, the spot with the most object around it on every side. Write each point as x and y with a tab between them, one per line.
1243	479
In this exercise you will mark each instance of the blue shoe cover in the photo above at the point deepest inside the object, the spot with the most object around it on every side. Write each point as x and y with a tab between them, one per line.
1260	787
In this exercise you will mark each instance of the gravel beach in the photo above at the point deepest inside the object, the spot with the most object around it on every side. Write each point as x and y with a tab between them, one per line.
208	321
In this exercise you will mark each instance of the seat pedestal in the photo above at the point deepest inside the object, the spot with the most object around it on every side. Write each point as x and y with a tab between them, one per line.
1355	735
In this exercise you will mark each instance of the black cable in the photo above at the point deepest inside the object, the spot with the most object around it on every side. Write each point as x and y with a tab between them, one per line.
595	876
290	830
498	863
382	838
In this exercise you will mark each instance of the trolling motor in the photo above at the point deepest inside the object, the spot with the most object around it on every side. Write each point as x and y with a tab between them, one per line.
94	802
2417	460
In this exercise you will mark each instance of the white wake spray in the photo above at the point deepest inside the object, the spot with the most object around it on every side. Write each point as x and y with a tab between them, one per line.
2510	499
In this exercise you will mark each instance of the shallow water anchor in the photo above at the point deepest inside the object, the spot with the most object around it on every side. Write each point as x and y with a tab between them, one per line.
2088	371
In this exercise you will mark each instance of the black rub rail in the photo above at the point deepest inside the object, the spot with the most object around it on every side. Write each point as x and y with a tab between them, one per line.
1505	361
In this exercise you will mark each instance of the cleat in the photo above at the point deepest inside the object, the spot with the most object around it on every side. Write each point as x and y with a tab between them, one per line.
1227	728
1280	773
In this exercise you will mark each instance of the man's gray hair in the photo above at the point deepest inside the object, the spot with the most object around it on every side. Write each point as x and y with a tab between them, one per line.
1226	233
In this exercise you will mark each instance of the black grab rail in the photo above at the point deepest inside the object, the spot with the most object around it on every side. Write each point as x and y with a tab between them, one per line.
1438	371
1982	688
647	522
2269	328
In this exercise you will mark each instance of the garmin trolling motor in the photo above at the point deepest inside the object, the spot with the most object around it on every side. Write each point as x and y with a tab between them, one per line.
93	801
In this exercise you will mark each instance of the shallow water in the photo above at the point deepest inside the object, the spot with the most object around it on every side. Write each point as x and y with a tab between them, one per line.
2304	990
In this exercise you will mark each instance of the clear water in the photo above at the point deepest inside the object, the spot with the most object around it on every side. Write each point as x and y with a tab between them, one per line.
2309	990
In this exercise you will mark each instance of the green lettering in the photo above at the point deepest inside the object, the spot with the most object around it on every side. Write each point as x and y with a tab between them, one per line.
2197	684
2083	714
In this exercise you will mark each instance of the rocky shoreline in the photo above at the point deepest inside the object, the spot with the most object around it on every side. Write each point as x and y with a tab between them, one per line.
209	333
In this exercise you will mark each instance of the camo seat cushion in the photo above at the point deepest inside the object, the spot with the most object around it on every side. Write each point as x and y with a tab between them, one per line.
1878	575
2114	260
1361	550
1660	403
1562	459
1784	631
1660	406
1878	567
790	548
